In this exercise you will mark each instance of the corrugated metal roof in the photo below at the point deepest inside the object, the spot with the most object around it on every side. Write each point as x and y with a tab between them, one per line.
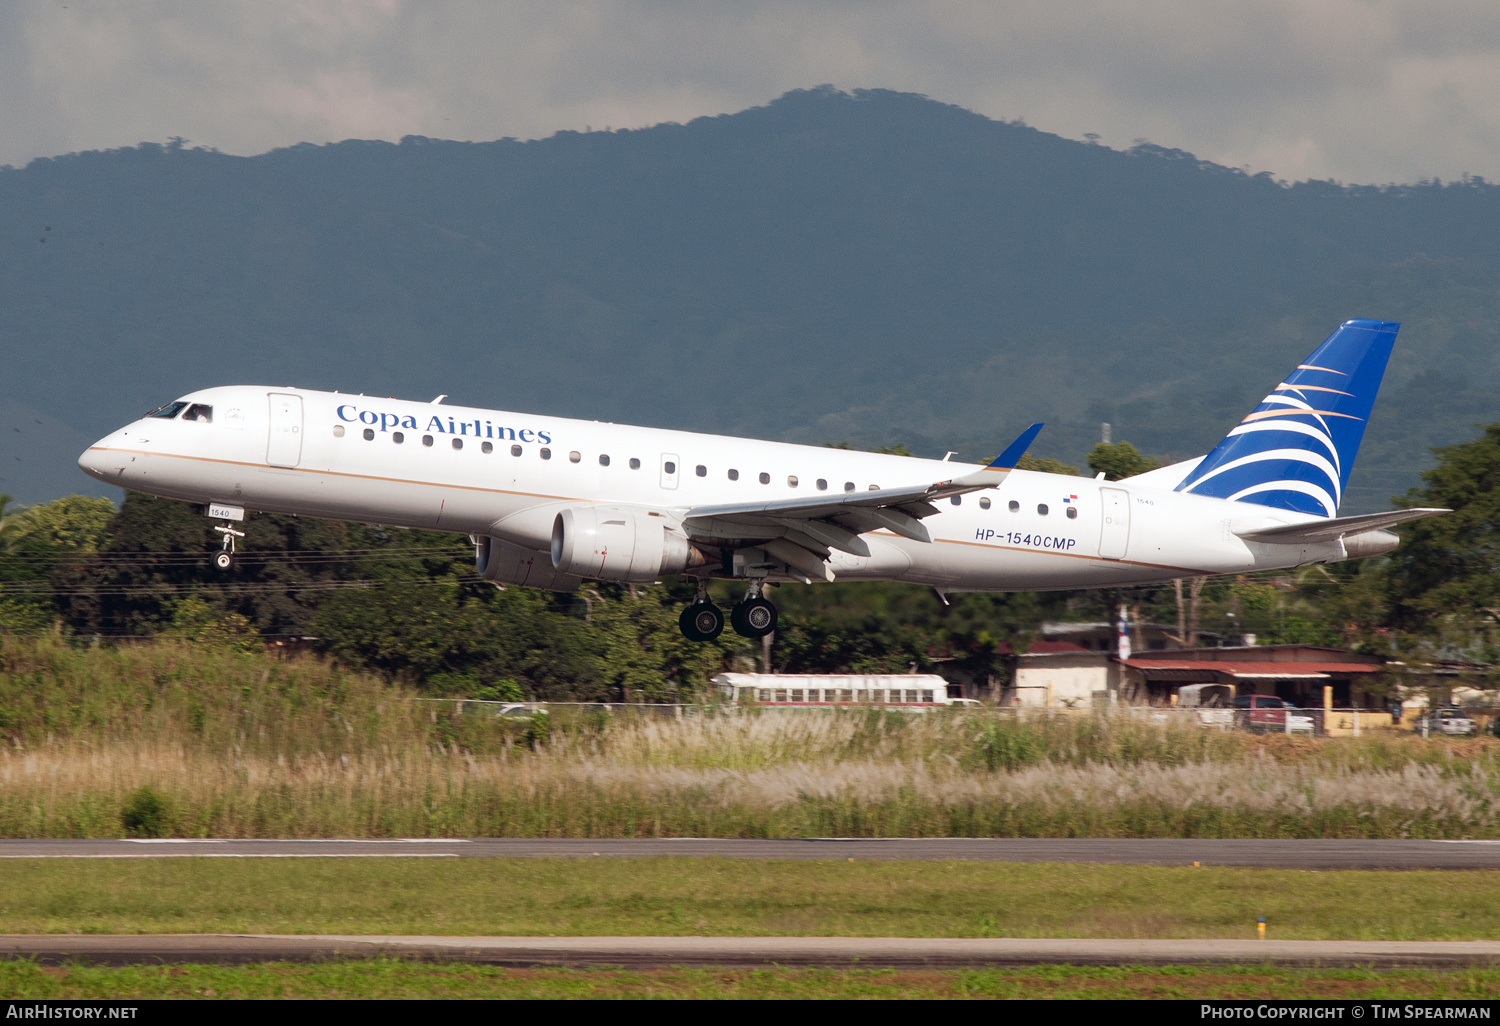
1253	670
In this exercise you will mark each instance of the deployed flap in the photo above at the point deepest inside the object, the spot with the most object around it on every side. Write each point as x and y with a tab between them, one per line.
1329	530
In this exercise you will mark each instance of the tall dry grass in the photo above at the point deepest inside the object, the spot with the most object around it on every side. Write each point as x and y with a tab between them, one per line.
241	745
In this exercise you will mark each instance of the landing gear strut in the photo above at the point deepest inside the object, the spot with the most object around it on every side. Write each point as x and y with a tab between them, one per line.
753	616
701	620
224	558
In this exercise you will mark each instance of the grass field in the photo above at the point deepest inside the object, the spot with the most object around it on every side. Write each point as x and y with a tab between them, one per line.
392	979
212	742
727	897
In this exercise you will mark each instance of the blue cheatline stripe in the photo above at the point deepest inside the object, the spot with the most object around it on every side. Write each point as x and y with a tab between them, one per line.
1295	450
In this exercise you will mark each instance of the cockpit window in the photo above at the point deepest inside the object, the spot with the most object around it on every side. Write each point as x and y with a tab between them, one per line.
198	411
168	411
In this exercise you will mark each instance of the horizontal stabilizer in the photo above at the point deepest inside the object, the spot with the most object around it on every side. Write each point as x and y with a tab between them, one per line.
1338	527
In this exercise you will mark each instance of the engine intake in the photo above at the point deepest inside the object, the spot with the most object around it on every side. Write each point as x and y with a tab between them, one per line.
500	562
614	543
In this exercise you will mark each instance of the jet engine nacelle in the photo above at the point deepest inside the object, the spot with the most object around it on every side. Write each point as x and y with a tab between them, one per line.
1370	543
615	543
500	562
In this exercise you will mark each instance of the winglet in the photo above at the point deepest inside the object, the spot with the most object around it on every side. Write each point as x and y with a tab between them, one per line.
1008	459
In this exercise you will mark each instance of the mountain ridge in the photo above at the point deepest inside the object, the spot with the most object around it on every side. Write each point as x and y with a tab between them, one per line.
873	266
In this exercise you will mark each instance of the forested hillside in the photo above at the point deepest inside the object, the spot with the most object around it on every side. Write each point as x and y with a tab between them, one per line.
876	268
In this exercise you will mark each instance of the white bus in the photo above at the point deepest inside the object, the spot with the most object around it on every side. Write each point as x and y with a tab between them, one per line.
815	689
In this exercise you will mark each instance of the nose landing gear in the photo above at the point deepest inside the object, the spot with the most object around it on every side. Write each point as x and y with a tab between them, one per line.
224	558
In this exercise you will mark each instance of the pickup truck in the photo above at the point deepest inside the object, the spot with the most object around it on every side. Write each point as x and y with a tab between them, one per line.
1267	714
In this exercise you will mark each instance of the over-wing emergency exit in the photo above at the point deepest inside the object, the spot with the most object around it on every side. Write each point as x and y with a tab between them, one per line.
551	502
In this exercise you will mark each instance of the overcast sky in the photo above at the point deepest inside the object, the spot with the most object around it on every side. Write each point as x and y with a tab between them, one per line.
1357	90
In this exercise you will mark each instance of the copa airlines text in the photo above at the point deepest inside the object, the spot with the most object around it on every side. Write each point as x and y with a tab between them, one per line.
551	502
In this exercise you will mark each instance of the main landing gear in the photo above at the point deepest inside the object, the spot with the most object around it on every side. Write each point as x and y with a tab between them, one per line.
752	617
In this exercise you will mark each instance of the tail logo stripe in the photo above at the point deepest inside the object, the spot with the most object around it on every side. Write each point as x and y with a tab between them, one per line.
1304	464
1309	388
1302	456
1296	427
1258	414
1328	502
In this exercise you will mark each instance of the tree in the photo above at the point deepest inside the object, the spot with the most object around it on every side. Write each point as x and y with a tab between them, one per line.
1045	465
1444	580
34	541
1119	460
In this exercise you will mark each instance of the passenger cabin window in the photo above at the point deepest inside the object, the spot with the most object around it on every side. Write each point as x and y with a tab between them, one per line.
200	412
984	503
458	443
734	475
167	412
957	500
669	468
515	450
635	464
701	470
546	454
765	479
603	460
1072	513
848	486
369	434
486	447
1014	507
822	484
574	457
397	437
1041	509
338	431
791	481
427	440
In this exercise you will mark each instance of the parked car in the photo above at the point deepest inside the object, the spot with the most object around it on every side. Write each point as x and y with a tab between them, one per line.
1265	714
1450	722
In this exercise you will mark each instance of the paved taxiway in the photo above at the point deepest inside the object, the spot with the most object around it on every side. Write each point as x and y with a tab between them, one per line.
656	952
1287	854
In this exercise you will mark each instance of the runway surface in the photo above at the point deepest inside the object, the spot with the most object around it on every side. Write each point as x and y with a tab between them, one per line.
1286	854
658	952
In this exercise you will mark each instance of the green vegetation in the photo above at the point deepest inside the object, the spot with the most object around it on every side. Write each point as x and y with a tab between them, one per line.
737	897
199	739
399	979
1119	460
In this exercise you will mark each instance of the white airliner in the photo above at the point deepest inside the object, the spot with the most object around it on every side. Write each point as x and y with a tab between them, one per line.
551	502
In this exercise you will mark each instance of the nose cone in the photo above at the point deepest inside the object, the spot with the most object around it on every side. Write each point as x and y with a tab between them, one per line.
92	461
96	459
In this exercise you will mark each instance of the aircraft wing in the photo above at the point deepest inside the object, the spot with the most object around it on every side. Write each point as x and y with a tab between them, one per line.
801	532
1337	527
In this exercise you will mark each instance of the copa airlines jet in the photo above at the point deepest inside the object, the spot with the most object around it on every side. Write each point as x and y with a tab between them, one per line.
551	502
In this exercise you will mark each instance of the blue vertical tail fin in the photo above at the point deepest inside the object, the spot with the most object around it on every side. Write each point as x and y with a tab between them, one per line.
1295	450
